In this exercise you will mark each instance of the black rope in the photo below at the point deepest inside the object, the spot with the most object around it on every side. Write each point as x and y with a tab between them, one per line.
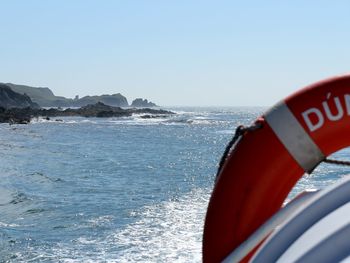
240	131
337	162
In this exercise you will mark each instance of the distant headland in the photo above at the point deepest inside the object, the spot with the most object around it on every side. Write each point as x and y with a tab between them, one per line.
19	104
44	97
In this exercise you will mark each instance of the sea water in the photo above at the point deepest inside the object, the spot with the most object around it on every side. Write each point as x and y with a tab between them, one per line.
117	189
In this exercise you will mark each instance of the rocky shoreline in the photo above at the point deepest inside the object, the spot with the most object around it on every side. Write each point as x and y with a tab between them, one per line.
25	115
44	97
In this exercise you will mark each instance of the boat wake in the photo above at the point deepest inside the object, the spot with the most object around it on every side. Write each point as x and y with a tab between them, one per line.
165	232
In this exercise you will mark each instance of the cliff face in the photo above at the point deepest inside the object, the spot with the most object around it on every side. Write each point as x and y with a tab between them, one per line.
45	98
42	96
11	99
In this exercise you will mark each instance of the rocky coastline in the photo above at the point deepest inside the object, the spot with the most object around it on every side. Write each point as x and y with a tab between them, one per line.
100	110
44	97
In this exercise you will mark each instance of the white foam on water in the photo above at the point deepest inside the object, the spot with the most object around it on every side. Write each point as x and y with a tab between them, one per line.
8	225
137	120
180	118
168	232
231	132
101	220
207	122
88	121
63	120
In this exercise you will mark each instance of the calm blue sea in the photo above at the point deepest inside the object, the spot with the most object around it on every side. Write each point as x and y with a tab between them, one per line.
116	189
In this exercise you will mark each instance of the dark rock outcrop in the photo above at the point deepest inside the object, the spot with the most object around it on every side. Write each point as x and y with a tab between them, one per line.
147	116
101	110
24	115
117	100
15	115
11	99
142	103
151	111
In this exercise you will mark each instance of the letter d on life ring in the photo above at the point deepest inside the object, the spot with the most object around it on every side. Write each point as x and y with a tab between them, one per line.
296	135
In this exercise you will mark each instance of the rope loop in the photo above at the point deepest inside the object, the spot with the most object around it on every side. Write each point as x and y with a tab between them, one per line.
239	133
241	130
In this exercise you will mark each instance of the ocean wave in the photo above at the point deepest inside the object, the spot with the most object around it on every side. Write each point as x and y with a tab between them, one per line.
2	224
6	196
38	177
180	118
63	120
194	120
100	221
102	212
18	198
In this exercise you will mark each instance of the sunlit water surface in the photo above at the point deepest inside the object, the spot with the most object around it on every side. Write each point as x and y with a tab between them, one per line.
117	189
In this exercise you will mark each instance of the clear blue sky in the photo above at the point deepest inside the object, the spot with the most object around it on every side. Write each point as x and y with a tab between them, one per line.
181	52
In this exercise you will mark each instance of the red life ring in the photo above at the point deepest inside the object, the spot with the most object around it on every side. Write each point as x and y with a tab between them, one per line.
296	135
